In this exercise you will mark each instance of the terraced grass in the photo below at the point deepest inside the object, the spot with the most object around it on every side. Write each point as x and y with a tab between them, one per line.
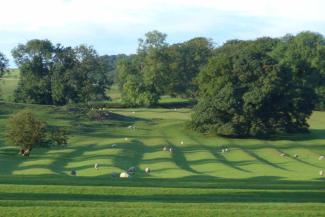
194	180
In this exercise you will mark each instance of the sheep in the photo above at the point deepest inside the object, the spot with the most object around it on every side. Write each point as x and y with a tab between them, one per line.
126	138
124	175
147	170
131	170
182	142
165	148
226	150
282	154
321	157
171	149
321	173
295	156
133	112
96	166
73	172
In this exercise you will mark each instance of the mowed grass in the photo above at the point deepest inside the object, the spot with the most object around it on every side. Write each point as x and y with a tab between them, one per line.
194	180
8	85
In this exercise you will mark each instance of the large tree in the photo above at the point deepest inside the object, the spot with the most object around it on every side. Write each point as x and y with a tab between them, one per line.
58	75
185	62
246	92
304	54
34	60
142	77
3	64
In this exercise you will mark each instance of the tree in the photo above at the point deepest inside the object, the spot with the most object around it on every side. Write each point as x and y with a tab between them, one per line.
142	77
25	130
246	92
185	62
3	64
59	75
304	54
59	136
34	61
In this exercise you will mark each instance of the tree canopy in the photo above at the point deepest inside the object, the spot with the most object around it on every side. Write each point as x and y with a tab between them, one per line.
243	91
3	64
58	75
159	69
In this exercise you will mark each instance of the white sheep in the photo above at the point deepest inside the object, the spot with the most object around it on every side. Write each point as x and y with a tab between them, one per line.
124	175
165	148
321	173
147	170
321	157
96	166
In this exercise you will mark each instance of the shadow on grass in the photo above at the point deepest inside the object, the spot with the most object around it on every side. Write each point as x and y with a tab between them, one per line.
222	197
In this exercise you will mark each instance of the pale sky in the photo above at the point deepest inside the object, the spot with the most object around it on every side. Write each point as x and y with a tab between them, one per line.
113	27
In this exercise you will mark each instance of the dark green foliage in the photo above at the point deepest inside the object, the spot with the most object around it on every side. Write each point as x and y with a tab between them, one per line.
304	54
141	78
3	64
59	136
58	75
159	69
246	92
185	62
25	130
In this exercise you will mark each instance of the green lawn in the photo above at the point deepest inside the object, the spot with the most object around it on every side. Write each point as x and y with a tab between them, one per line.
8	85
195	180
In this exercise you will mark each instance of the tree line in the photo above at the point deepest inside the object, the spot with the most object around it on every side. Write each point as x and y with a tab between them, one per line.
242	88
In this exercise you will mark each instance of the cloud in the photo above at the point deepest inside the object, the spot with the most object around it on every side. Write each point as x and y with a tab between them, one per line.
115	26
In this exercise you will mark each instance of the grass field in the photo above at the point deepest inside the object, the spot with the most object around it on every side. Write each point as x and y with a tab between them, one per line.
8	85
195	180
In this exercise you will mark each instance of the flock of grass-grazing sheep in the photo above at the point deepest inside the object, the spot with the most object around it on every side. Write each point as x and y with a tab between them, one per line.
132	170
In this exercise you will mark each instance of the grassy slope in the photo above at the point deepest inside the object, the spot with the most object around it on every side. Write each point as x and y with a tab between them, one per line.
251	180
8	86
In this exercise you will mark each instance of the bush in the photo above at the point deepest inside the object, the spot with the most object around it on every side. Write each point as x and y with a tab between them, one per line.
25	130
59	136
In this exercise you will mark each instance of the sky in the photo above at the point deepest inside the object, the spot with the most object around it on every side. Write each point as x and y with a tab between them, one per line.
114	26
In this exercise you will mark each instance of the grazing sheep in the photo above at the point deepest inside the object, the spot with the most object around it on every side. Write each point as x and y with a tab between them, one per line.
182	142
147	170
222	150
96	166
133	112
124	175
171	149
26	153
295	156
226	150
131	170
175	109
321	173
130	127
282	154
114	146
321	157
126	138
165	148
73	172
